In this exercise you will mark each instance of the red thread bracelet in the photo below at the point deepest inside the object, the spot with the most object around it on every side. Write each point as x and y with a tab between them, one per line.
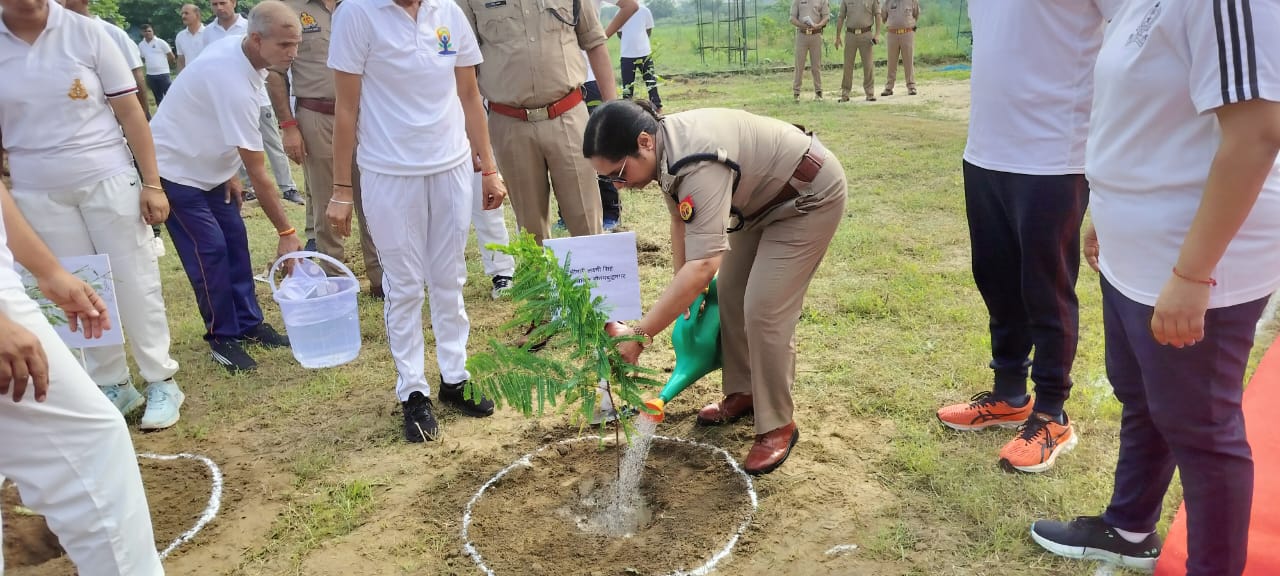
1210	282
288	123
489	173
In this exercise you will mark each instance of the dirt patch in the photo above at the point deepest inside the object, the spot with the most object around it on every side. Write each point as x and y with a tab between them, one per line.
537	519
177	494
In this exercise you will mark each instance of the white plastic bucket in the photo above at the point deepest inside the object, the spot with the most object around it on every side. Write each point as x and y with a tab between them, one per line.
323	331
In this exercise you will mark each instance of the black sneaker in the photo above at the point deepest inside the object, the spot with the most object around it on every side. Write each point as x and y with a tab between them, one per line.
419	420
293	196
501	284
455	395
230	354
310	245
1089	538
250	196
266	336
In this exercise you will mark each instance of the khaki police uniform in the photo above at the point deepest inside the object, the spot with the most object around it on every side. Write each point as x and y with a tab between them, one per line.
900	19
785	208
313	87
532	75
809	43
859	21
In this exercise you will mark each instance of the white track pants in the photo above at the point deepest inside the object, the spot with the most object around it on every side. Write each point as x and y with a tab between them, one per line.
105	218
419	224
73	461
491	228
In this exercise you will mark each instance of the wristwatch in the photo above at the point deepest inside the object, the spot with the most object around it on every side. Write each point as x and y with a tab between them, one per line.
648	338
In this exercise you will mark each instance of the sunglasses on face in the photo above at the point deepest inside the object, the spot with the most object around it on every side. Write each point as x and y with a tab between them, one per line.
615	179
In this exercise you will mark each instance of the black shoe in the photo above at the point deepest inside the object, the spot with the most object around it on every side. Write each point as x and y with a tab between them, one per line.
266	336
250	196
501	284
293	196
419	420
377	293
1089	537
230	354
310	246
454	395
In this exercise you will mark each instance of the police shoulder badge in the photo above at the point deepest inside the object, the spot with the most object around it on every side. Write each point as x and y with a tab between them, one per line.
309	23
686	208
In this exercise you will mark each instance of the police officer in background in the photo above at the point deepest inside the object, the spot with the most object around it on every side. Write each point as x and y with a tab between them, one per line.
809	17
860	17
308	136
900	17
780	194
531	76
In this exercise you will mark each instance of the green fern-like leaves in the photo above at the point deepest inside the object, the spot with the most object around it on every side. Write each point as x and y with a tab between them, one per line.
579	352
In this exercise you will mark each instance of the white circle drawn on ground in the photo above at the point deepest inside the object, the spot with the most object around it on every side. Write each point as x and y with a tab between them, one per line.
527	460
215	497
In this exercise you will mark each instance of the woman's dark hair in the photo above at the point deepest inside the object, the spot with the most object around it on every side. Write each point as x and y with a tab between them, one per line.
614	126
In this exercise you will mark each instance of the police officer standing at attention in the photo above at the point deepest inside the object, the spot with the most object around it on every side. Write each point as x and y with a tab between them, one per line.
900	17
809	17
753	198
308	137
531	75
861	16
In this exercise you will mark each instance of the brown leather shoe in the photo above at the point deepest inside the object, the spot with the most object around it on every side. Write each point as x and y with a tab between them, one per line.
727	411
771	450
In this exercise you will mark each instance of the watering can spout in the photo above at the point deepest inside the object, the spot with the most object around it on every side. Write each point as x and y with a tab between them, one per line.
656	405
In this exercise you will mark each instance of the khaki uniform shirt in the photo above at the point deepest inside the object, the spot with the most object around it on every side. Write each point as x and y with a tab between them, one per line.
900	14
766	149
532	49
858	14
816	10
312	77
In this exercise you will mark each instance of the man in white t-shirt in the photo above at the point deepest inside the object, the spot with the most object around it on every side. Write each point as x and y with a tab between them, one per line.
158	56
1182	162
190	40
637	54
67	448
1025	197
415	156
227	22
198	164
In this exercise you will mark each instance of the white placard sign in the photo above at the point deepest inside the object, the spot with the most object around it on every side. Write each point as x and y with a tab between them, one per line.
96	271
610	261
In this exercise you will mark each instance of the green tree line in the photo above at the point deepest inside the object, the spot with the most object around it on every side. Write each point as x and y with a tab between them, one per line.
163	15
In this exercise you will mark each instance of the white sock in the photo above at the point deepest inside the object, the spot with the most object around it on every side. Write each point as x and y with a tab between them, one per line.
1132	537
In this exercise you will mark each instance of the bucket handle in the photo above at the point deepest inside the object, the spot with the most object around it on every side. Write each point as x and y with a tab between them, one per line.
271	276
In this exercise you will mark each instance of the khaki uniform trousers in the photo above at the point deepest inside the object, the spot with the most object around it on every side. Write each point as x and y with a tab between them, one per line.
858	44
762	282
527	151
317	167
901	46
810	45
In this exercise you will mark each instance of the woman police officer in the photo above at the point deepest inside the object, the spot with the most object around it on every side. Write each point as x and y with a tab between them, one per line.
756	200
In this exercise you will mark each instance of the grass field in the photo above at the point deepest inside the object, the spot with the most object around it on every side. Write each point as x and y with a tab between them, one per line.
320	481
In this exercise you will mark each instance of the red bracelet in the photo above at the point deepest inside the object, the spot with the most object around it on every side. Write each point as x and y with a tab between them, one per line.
489	173
288	124
1209	282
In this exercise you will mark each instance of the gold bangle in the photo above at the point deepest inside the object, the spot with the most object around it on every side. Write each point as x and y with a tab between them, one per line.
152	186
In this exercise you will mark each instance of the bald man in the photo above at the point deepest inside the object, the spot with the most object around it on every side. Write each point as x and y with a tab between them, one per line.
190	41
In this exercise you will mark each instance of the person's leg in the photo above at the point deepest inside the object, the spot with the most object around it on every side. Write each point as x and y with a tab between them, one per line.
573	178
651	80
815	62
76	464
731	294
162	86
524	167
610	201
274	147
369	251
798	76
449	201
865	52
202	248
628	77
491	228
317	168
396	208
893	44
239	264
846	80
908	59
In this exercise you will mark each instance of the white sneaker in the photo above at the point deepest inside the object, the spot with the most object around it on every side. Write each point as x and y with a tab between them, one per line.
124	396
163	401
157	246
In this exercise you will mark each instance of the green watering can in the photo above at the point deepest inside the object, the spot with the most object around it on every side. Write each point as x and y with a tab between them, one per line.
696	339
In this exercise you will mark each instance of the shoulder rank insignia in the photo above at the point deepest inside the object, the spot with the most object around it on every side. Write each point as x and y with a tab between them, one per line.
309	23
686	208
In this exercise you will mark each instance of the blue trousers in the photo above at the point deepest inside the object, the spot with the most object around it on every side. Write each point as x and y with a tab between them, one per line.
211	240
1024	233
1182	408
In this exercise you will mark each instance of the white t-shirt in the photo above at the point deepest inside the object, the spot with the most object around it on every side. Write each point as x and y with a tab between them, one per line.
1155	134
156	54
599	4
212	111
1032	83
213	32
635	36
132	58
188	45
411	121
54	116
9	279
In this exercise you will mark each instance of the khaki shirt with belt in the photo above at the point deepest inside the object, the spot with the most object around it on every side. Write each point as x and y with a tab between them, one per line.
815	10
901	15
858	15
312	77
532	48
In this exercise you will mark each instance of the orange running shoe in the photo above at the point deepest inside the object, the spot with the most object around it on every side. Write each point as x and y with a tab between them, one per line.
1040	440
984	411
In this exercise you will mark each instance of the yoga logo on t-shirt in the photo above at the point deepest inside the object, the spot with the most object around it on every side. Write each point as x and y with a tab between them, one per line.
1140	35
442	39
